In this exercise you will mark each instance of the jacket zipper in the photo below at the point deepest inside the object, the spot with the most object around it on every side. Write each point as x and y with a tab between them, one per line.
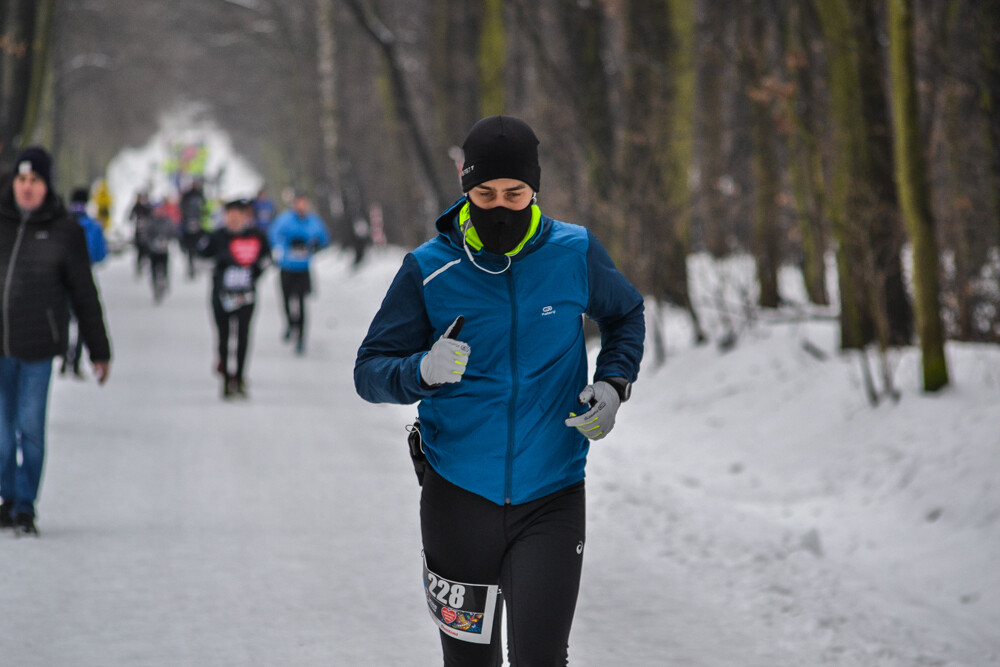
512	407
6	287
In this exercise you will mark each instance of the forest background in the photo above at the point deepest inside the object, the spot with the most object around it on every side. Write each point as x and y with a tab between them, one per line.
856	139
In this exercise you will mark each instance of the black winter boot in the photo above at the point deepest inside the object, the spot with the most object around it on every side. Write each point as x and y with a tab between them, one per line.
24	524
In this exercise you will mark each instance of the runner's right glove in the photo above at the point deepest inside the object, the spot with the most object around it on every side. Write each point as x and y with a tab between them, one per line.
447	359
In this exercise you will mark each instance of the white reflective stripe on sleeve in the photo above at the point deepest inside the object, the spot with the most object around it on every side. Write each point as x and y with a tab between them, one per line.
441	270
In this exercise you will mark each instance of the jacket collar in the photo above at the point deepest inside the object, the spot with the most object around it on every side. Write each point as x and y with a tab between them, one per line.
52	207
448	225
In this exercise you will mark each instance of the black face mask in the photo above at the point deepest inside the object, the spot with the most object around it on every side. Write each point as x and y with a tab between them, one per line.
499	228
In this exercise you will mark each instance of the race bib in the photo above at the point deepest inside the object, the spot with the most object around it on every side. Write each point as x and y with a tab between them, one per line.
237	278
299	249
463	611
159	245
231	302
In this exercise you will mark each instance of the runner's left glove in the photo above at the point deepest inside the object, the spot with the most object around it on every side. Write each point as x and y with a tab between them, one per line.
600	419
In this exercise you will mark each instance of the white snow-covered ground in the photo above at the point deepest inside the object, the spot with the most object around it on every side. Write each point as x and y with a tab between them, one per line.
750	509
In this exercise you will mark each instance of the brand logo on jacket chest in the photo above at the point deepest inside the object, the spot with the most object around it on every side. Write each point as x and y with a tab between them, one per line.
548	310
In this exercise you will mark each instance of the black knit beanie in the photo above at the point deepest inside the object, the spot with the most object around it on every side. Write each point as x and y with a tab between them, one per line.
36	159
500	147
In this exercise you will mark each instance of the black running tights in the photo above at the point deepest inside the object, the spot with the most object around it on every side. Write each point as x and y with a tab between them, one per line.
224	322
533	550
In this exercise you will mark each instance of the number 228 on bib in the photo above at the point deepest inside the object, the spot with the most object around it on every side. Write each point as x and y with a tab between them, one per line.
463	611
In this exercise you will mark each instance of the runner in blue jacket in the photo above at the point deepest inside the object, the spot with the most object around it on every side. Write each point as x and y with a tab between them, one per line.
483	327
295	236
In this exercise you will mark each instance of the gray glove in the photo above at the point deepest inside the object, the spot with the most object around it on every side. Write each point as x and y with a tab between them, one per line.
600	419
447	359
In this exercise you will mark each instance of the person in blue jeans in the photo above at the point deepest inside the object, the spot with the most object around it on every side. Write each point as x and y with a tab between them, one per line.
24	395
296	235
44	271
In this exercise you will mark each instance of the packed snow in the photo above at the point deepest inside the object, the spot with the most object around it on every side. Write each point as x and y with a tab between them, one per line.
750	509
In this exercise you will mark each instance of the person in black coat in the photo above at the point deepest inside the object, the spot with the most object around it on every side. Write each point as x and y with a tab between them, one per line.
140	215
158	233
241	253
194	211
44	270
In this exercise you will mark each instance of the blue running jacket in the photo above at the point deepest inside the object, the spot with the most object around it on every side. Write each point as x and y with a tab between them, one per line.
500	432
295	239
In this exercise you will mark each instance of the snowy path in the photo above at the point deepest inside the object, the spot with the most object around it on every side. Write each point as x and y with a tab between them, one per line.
177	529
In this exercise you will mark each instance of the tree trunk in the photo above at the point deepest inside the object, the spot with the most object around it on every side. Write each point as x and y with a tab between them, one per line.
848	147
714	225
492	57
652	183
434	193
40	67
301	105
762	94
455	76
326	68
18	19
911	179
589	94
805	166
887	234
671	275
990	49
766	242
862	205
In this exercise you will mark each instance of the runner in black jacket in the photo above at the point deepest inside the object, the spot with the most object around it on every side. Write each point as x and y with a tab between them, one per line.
44	268
241	253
